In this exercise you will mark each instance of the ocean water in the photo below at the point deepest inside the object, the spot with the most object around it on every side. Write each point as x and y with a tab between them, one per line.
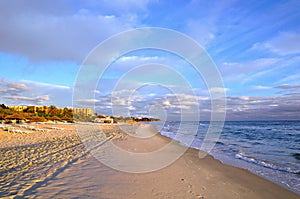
270	149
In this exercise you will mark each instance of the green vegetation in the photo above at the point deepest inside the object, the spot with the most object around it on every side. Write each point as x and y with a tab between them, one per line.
30	115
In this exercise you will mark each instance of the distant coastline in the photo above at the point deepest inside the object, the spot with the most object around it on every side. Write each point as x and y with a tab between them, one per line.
39	113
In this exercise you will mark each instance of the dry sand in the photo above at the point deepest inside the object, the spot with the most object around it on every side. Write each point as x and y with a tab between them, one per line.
57	165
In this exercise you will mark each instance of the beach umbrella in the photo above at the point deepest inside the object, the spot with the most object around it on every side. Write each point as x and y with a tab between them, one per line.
55	118
37	119
67	119
16	117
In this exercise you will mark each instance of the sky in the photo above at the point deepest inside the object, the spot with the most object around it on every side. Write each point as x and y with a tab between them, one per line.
254	45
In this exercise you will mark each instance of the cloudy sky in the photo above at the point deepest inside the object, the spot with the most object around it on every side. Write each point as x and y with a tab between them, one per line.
254	45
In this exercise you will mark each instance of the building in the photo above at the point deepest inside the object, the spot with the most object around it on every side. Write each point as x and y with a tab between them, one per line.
106	120
18	108
83	111
31	109
38	109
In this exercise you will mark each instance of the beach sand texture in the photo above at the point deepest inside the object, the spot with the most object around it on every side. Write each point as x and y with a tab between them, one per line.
56	164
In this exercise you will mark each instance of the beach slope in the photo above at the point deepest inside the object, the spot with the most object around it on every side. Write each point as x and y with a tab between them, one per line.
60	167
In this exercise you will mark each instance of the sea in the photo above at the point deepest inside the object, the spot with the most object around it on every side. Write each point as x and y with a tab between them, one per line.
270	149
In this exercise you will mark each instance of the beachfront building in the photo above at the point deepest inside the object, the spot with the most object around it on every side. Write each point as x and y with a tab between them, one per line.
18	108
31	109
105	120
38	109
87	112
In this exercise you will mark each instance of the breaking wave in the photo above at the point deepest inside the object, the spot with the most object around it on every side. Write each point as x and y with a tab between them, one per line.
242	156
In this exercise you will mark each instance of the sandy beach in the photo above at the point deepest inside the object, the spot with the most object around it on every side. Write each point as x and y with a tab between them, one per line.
56	164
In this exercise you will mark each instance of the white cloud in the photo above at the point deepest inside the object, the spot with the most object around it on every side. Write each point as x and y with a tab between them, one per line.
131	108
246	98
86	101
41	33
218	90
184	97
284	43
33	100
294	78
287	86
42	84
183	107
262	108
31	92
120	6
247	67
238	107
124	92
18	86
120	102
13	88
246	71
205	27
259	87
166	103
138	58
201	30
97	92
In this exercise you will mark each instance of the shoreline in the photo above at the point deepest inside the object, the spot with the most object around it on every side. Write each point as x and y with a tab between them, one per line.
240	168
255	154
243	178
77	171
232	165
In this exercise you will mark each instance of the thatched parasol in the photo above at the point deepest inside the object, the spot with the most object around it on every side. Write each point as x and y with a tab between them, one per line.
38	119
16	117
67	119
54	118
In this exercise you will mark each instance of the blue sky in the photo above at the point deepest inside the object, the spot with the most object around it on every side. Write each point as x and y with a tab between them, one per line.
254	44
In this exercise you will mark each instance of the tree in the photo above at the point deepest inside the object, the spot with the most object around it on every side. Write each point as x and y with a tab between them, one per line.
2	106
29	110
53	110
67	112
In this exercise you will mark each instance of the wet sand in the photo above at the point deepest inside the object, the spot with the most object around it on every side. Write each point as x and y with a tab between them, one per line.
56	164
